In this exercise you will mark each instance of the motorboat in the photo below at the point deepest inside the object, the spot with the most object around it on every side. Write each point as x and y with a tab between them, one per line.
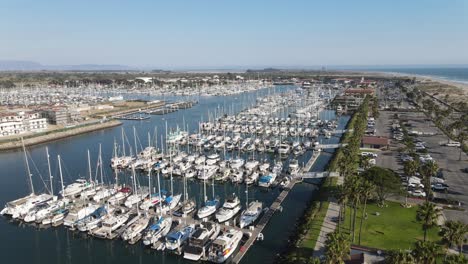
110	225
197	246
224	246
230	208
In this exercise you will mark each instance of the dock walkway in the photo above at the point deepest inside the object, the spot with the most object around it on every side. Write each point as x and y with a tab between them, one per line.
263	222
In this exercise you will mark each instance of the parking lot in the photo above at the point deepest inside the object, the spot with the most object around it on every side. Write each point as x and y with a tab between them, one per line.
446	157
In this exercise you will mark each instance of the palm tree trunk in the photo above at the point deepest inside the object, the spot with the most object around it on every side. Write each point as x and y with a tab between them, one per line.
339	218
425	234
354	222
362	219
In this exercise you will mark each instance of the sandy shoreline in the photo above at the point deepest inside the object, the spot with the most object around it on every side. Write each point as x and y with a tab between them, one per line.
461	85
16	144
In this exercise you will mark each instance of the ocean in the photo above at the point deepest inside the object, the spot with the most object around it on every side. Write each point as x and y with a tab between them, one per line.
455	74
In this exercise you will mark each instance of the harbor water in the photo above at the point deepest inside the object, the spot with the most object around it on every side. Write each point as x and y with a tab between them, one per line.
22	243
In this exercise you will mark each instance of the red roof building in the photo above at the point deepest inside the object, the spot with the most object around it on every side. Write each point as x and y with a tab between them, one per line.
375	142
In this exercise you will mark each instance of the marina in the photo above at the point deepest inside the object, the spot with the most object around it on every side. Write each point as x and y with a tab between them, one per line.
195	161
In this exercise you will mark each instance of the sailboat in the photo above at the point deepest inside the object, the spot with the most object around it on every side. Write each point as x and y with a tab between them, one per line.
160	228
175	240
252	212
210	206
20	207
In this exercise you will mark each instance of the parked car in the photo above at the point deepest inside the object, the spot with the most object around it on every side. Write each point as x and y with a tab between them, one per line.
439	187
465	170
417	193
369	154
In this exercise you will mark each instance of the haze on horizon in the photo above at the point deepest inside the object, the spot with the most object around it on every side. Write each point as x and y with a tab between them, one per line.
174	34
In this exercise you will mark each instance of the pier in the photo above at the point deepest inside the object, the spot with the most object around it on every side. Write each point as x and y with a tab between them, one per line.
263	222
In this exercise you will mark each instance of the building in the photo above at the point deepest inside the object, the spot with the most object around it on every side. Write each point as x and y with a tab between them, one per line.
359	92
15	123
375	142
61	115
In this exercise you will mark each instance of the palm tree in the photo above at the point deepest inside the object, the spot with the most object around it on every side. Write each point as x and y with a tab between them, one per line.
454	233
313	261
410	167
338	248
342	198
353	185
367	190
455	259
399	257
428	170
428	214
426	252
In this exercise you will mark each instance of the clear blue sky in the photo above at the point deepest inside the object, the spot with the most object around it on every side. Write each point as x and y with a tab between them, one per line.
220	33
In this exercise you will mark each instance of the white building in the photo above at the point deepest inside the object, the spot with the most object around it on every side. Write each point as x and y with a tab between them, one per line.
14	123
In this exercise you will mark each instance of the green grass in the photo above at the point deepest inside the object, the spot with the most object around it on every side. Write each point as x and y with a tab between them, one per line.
314	227
317	216
395	228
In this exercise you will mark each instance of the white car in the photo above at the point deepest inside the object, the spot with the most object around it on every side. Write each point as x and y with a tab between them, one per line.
417	193
453	144
416	185
369	154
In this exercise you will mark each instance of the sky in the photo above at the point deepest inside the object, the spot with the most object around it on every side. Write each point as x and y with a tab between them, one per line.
247	33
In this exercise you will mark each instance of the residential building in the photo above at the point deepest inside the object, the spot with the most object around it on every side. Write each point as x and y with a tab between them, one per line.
19	122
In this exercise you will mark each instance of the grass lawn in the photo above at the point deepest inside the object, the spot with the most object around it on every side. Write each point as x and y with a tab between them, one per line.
319	212
395	228
314	227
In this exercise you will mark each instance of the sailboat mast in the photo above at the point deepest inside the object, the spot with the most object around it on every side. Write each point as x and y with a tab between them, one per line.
89	168
27	167
50	173
123	142
160	196
204	181
135	141
61	175
100	164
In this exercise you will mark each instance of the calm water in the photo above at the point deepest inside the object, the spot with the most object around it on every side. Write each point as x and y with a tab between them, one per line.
26	244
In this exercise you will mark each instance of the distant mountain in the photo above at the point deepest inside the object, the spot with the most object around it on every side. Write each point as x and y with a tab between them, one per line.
10	65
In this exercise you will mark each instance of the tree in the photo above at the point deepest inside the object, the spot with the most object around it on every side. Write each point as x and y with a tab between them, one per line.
343	198
428	214
455	259
367	189
426	252
428	170
337	248
386	181
399	257
365	162
410	167
453	234
353	185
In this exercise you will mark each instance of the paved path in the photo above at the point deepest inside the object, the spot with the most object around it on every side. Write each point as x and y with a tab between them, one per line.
328	225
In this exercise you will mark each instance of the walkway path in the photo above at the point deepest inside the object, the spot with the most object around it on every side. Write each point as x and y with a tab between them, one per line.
328	225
